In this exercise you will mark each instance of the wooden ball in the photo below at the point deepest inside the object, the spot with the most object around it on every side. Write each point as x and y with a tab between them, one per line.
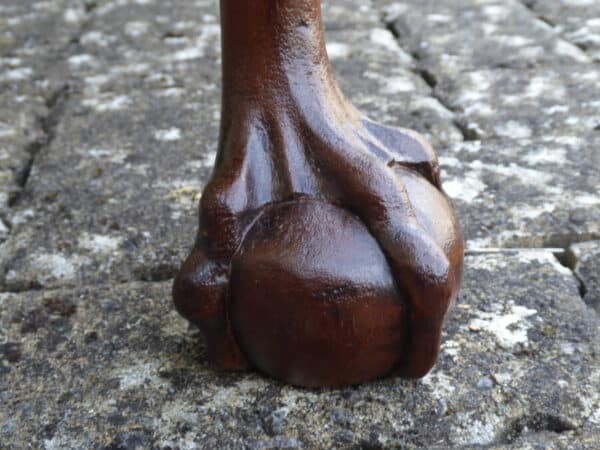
312	300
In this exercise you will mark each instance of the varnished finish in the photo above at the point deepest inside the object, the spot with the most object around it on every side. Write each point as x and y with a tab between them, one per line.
327	252
310	310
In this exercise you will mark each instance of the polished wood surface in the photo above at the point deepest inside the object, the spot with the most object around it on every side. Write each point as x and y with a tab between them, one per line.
327	253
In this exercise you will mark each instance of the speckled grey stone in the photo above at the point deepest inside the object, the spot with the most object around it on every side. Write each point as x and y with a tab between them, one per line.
584	257
35	26
577	21
539	192
349	14
525	103
394	94
455	36
35	39
20	133
96	367
31	35
553	441
502	70
111	198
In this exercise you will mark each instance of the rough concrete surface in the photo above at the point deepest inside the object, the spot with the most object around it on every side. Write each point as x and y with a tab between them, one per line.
109	115
584	258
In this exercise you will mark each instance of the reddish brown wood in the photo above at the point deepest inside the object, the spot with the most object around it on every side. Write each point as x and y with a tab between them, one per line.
327	252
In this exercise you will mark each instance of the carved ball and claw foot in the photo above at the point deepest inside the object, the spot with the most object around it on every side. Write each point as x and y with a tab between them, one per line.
327	253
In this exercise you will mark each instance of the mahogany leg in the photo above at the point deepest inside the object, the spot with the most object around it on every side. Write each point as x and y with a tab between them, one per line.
327	252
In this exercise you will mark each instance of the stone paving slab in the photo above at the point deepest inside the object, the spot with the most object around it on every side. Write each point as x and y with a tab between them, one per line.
101	366
496	61
30	27
390	93
113	198
30	32
526	103
455	36
35	36
527	192
131	46
20	130
349	14
577	20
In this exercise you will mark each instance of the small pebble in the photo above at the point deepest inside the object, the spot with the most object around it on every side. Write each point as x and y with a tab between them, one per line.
485	383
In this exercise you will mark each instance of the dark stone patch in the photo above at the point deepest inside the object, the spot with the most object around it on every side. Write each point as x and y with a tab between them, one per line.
11	351
59	306
584	259
33	320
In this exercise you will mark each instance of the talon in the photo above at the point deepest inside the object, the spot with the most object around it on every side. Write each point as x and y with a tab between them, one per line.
199	293
408	149
327	253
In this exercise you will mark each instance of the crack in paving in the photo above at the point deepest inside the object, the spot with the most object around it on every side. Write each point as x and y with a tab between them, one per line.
557	245
535	423
89	8
570	260
47	123
560	246
563	254
468	133
468	127
540	17
55	103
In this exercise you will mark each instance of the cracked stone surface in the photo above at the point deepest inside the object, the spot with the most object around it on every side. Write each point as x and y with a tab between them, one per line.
454	36
499	67
120	202
20	132
526	192
578	21
35	39
524	103
109	114
519	366
585	257
393	94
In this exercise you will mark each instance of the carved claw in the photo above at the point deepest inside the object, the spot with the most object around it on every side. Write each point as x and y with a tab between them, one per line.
327	252
200	292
